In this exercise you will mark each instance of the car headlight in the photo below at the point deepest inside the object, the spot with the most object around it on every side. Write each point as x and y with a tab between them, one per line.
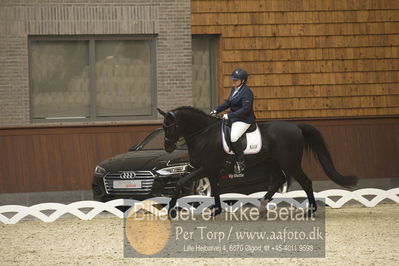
100	171
173	170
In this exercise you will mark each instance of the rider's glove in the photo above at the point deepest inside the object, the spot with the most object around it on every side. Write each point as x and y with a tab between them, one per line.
213	113
225	116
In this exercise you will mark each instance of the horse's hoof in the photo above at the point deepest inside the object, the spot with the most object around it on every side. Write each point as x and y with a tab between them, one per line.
216	211
172	214
311	212
263	214
263	209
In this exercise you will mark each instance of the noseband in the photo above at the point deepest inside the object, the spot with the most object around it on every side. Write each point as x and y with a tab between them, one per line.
175	125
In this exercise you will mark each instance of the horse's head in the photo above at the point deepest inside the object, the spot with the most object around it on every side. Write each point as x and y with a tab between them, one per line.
171	129
184	121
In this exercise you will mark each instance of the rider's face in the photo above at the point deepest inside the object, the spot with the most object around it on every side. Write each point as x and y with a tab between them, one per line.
236	83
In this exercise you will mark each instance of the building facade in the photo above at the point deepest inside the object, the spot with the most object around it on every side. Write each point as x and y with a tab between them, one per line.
166	23
80	80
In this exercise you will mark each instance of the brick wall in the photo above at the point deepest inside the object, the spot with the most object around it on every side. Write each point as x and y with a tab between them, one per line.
169	19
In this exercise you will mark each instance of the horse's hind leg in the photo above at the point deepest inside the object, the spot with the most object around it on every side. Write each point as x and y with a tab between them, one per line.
306	185
278	178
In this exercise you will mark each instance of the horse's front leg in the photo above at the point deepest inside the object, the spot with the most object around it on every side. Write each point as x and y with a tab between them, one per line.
178	191
172	212
215	186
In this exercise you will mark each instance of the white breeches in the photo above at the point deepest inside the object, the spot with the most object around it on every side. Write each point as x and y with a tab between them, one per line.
237	129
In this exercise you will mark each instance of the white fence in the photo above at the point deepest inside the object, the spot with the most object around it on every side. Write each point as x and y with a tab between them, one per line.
39	211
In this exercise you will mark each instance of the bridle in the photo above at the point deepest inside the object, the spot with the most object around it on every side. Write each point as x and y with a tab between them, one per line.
175	127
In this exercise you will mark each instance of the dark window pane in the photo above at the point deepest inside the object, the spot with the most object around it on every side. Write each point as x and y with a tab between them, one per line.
123	78
202	83
59	79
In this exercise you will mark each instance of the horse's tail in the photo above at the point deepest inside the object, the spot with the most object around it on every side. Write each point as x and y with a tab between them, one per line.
314	141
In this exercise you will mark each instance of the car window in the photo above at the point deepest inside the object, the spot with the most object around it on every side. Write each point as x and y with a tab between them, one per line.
156	142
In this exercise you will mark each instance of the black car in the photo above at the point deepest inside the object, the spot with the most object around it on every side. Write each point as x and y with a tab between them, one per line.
148	171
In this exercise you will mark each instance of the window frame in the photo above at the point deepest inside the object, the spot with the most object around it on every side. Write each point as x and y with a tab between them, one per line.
91	39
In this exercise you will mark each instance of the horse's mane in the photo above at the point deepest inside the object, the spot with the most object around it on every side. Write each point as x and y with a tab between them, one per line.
195	110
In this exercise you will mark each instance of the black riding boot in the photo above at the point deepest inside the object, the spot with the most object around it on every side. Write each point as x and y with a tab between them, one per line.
239	153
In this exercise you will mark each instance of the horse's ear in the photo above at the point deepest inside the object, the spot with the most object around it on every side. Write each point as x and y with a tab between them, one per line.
161	112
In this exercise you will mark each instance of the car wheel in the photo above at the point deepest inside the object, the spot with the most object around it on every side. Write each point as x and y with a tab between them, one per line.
203	187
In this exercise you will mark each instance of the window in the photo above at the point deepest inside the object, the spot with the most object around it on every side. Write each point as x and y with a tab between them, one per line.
92	78
204	72
59	79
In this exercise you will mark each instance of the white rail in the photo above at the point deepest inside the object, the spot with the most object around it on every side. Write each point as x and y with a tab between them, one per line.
58	209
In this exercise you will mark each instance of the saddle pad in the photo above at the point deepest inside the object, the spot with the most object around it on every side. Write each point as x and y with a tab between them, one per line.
254	142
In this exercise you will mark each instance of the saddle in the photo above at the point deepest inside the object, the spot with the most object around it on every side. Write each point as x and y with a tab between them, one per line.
251	140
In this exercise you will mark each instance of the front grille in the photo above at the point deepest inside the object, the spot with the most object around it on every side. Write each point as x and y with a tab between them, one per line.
146	178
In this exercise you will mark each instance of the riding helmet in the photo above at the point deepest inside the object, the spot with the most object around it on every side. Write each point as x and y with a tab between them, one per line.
239	74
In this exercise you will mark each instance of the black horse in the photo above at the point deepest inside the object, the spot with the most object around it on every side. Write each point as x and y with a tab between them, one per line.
283	144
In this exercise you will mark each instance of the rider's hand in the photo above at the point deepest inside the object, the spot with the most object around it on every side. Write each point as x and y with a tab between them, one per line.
213	113
225	116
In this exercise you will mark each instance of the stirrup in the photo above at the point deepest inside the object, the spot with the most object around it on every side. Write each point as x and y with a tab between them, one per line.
239	167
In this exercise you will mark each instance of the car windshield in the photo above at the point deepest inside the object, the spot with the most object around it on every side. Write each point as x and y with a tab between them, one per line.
155	141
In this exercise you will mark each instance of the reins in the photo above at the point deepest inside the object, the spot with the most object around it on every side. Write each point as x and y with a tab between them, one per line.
190	137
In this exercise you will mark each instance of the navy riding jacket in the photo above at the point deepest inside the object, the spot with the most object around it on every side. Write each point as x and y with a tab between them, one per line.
241	105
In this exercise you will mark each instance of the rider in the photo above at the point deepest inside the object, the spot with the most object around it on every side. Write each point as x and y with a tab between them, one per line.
241	113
